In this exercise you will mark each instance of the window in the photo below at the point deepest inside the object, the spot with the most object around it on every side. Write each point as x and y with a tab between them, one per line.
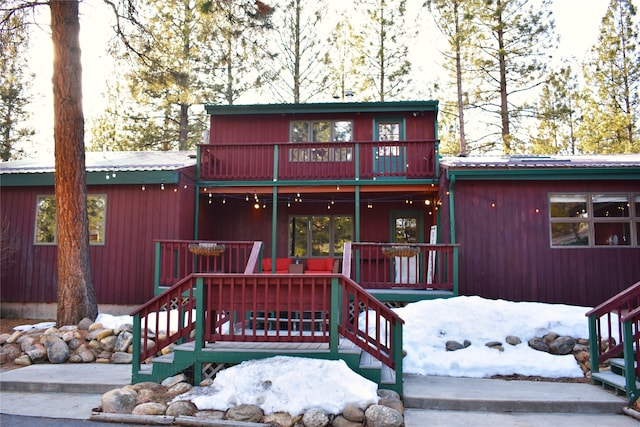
319	236
46	220
594	219
323	131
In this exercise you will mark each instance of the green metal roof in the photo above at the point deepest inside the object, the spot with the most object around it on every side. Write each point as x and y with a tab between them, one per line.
581	167
112	167
325	107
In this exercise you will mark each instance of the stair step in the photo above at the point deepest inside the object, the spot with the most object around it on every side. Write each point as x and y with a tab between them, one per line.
612	380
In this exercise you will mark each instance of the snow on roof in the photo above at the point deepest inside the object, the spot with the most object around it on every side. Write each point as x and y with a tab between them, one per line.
109	161
542	162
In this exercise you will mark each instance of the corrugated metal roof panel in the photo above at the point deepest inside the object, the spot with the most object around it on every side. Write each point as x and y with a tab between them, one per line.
110	161
543	162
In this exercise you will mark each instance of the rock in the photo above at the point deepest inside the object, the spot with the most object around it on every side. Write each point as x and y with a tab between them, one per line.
562	345
206	382
158	388
146	395
67	336
580	347
95	327
14	337
184	408
94	344
74	343
37	354
11	351
385	392
279	419
98	334
453	346
393	403
74	358
150	408
244	412
85	354
495	345
57	350
210	415
342	421
108	343
121	358
549	337
171	381
27	344
119	401
23	360
123	341
85	324
538	343
353	412
581	356
52	331
178	389
513	340
382	416
4	338
315	417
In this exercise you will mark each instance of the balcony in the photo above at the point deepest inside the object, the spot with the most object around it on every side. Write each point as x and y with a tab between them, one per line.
330	161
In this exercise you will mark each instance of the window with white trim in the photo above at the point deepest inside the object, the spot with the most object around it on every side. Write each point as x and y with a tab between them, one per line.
594	219
46	219
321	131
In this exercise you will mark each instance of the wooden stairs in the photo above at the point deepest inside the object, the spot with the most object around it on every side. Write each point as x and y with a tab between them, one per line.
614	378
204	364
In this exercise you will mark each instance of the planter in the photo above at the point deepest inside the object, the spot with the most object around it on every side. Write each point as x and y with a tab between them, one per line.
207	249
400	251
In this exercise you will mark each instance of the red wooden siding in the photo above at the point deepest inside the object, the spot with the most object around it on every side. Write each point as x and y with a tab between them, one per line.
505	249
122	268
275	128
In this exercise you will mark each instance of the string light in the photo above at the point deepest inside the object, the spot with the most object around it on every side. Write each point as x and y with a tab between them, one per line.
143	187
162	186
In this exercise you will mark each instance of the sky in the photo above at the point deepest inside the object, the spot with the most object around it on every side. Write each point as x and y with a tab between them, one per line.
577	24
275	383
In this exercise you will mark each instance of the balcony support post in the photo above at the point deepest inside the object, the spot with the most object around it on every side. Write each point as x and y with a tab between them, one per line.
274	226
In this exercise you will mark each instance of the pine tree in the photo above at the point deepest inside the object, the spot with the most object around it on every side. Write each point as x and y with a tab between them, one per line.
558	115
454	20
14	84
512	55
300	54
382	44
612	104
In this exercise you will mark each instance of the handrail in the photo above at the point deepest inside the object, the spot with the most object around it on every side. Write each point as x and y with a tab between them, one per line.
408	266
613	330
283	161
608	342
268	308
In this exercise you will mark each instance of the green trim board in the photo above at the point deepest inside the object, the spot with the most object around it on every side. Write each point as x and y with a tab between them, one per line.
328	107
93	178
573	174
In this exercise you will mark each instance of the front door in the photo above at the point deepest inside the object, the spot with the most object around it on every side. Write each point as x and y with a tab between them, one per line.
389	158
407	228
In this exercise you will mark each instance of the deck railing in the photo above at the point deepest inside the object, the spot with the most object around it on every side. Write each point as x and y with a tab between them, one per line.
317	161
614	329
176	259
405	266
266	308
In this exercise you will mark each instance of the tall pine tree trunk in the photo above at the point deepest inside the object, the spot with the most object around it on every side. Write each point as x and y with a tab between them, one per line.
76	298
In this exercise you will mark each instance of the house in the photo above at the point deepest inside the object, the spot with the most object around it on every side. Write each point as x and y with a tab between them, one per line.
133	199
557	229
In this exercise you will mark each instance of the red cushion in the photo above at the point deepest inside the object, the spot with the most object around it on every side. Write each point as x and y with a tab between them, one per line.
282	265
320	264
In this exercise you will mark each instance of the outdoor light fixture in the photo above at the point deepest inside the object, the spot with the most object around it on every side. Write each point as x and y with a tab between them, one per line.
256	205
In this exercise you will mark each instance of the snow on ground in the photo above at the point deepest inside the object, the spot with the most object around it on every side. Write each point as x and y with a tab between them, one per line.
292	384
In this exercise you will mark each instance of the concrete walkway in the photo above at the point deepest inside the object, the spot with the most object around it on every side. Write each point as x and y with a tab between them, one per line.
72	391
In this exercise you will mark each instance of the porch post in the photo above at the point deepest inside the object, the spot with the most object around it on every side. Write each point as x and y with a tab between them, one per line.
274	226
356	231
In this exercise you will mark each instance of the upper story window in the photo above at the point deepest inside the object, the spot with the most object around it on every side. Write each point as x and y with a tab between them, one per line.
46	219
321	131
594	219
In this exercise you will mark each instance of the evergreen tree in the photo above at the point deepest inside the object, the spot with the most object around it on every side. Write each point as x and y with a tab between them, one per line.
383	49
511	59
612	104
558	115
300	54
454	20
14	84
